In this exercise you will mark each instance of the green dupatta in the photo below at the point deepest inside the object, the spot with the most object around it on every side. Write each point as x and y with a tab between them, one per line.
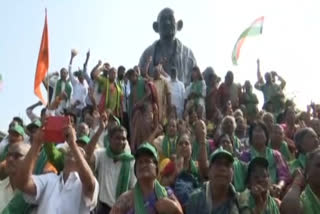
272	162
300	162
67	89
139	207
239	175
169	146
196	88
311	203
124	176
284	149
17	205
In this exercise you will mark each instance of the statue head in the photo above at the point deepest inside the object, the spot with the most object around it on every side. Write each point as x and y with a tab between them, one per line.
166	24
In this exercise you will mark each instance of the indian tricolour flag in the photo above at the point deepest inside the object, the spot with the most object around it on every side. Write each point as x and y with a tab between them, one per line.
255	29
1	84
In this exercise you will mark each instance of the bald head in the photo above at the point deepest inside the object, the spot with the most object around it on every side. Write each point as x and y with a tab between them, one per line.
21	148
166	24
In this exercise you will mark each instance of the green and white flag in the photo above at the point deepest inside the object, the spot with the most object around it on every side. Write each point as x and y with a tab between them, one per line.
255	29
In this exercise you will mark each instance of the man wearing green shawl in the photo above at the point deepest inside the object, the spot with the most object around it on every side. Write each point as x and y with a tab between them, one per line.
148	196
111	92
62	92
300	200
11	200
257	199
113	166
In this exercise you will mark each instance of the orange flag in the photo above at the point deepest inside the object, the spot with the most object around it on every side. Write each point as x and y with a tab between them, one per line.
43	62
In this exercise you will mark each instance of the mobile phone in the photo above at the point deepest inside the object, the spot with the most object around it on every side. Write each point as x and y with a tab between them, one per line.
54	129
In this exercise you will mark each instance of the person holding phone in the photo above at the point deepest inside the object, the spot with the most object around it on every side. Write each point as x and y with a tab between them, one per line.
76	186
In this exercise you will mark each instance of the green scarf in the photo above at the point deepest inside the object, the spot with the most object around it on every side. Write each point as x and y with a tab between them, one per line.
300	162
272	207
41	162
311	203
114	100
139	207
285	151
169	147
140	93
236	144
196	88
272	163
239	175
3	155
17	205
67	89
124	176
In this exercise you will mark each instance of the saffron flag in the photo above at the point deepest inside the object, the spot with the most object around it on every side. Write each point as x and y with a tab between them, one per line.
255	29
43	62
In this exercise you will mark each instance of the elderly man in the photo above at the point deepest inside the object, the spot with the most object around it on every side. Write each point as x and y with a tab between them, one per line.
218	195
73	191
169	50
11	201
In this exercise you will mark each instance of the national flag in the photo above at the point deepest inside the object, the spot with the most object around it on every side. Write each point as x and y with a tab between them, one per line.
255	29
1	82
43	62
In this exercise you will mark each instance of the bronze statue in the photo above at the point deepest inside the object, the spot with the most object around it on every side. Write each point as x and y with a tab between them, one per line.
168	50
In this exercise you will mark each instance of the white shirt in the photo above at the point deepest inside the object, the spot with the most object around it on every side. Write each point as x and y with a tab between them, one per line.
56	197
6	193
80	91
177	96
108	173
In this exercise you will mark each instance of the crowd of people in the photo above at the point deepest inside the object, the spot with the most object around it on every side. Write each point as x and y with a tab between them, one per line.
141	143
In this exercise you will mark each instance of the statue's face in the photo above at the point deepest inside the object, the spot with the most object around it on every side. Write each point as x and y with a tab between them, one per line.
167	24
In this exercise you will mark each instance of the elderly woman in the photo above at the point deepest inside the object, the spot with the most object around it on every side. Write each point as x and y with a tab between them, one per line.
278	169
228	126
148	196
306	141
300	200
